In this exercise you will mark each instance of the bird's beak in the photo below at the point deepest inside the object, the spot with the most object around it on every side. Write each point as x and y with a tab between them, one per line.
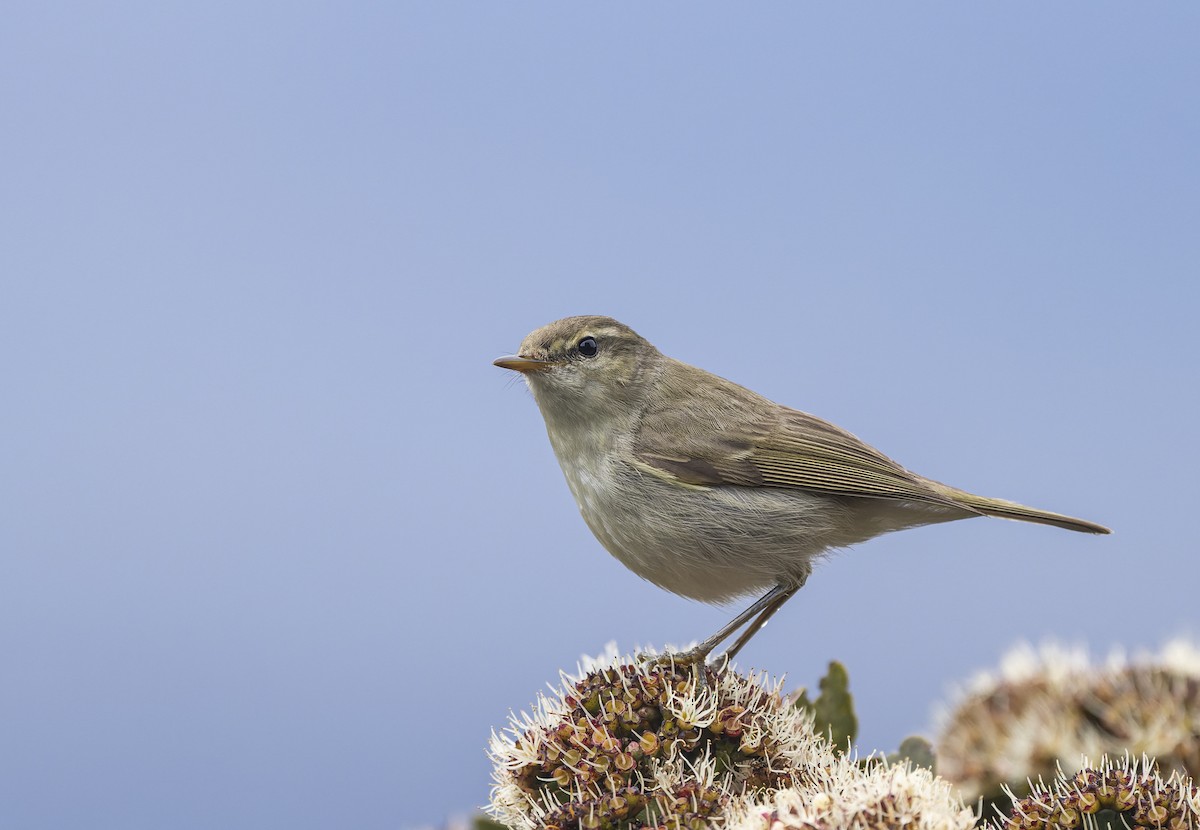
524	365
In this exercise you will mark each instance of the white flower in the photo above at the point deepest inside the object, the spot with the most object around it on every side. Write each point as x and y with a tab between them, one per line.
848	797
693	707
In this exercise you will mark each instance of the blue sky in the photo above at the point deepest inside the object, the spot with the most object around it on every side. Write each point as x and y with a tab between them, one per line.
279	545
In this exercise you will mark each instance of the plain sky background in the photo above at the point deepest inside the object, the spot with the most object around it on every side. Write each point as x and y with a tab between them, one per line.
279	545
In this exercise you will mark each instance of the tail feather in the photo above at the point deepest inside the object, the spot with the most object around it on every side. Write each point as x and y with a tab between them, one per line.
1012	510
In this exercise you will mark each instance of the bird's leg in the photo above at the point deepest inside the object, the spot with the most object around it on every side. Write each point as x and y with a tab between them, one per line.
767	605
759	622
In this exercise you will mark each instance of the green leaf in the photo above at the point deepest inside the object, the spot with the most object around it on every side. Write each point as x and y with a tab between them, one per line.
833	710
484	823
916	750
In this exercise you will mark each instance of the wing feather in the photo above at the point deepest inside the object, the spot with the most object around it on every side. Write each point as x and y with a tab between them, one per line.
730	436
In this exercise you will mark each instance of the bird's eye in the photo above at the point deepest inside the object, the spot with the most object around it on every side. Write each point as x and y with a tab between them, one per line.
587	347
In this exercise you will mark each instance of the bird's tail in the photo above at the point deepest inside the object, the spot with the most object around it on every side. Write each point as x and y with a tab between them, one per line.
1012	510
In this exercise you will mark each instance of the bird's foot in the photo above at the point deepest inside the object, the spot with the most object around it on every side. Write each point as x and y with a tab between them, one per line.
696	659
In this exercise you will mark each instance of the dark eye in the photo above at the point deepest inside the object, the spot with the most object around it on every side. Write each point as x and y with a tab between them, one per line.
587	347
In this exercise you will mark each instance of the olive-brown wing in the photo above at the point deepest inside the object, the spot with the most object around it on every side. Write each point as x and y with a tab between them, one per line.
763	444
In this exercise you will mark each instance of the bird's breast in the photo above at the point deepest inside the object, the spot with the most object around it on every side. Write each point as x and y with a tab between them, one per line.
595	484
707	544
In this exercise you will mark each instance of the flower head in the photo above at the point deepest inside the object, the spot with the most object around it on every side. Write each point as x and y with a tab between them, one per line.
1122	793
1047	708
636	743
853	796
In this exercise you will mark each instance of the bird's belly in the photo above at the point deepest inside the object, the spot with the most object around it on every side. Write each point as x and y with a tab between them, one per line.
711	544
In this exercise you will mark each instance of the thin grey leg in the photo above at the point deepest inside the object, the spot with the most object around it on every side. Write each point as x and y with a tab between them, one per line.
754	627
771	600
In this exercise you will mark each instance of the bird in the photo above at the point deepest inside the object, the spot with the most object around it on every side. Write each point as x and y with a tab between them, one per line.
710	490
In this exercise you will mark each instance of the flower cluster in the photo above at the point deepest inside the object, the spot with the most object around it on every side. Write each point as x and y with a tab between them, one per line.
1120	794
854	796
645	743
1050	707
